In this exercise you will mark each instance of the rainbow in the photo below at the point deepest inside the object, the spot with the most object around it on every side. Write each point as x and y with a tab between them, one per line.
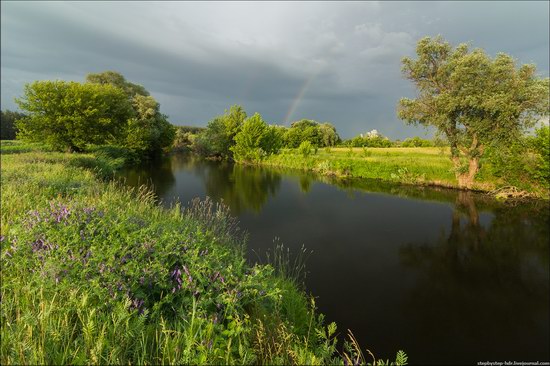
298	98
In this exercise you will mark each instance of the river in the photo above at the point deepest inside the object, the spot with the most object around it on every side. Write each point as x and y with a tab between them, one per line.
451	277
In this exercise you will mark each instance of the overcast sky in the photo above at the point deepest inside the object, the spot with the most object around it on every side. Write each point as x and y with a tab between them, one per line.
329	61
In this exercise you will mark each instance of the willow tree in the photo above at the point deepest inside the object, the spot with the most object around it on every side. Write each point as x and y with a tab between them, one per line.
473	99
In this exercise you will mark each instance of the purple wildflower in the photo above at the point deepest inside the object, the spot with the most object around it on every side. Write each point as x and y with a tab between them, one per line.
189	277
41	245
59	213
1	238
176	276
88	210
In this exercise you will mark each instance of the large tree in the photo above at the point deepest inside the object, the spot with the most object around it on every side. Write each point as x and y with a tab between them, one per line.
148	131
473	99
70	115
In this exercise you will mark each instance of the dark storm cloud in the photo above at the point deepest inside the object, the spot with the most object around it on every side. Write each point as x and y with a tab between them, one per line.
337	62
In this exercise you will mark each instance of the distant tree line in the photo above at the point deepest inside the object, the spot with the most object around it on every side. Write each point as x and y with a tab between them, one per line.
237	136
8	129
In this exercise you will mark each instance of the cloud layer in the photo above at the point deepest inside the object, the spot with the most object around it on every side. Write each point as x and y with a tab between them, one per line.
337	62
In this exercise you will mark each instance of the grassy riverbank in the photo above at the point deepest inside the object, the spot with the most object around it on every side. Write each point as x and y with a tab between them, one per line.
416	165
96	273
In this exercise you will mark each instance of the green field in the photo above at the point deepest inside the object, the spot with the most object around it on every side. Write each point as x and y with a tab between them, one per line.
96	273
415	165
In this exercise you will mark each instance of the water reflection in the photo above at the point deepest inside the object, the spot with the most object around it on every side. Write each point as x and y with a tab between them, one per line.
483	290
157	173
240	187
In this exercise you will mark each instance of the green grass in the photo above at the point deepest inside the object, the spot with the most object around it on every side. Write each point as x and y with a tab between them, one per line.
93	272
415	165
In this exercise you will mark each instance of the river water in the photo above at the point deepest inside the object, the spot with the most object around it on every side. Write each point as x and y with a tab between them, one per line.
450	277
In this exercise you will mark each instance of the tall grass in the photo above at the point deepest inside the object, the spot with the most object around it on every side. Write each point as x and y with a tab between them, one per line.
93	272
416	165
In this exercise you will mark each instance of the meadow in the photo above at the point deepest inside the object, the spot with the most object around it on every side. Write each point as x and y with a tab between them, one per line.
94	272
406	165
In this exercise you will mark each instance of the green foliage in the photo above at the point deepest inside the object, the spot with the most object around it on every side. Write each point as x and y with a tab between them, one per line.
184	139
149	132
256	140
472	99
305	148
70	115
317	134
105	110
116	79
195	130
417	142
329	136
219	136
541	145
366	141
8	120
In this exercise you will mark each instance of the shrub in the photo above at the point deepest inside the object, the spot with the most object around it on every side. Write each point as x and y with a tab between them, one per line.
541	145
305	148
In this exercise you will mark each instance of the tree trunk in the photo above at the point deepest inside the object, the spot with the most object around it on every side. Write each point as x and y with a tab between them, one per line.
466	180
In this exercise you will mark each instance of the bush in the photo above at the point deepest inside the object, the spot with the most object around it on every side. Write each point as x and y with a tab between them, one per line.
417	142
541	145
218	138
256	140
305	148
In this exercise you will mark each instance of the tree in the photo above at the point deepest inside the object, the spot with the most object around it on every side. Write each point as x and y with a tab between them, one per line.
255	140
317	134
474	100
116	79
149	132
70	115
7	124
219	136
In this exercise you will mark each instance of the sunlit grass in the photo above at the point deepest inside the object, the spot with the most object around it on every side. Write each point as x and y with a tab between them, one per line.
93	272
403	165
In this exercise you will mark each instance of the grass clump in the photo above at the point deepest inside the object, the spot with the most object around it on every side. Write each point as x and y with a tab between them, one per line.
93	272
